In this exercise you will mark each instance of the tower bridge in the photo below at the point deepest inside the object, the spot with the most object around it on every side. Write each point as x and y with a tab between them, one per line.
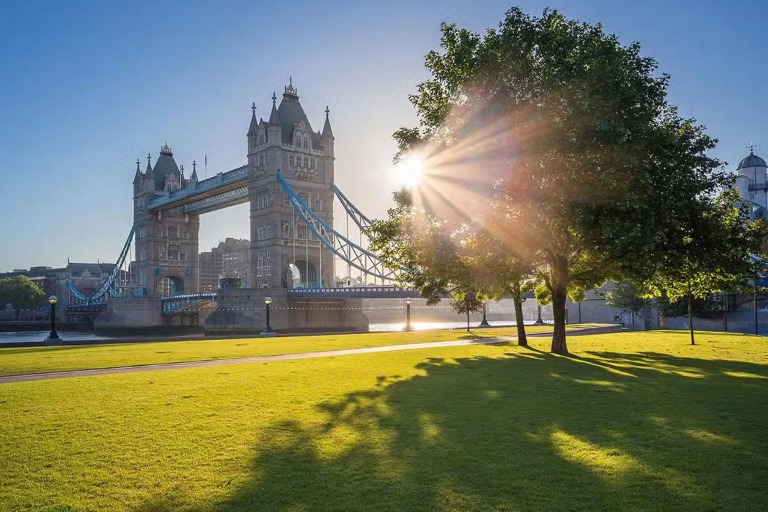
288	180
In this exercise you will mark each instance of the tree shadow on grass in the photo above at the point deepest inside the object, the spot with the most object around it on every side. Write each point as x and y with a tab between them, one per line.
598	432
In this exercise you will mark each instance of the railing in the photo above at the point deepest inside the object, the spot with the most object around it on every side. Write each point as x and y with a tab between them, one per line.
220	179
179	301
226	197
86	308
355	291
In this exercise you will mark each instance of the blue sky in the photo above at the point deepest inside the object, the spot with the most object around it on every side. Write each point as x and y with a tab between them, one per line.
88	87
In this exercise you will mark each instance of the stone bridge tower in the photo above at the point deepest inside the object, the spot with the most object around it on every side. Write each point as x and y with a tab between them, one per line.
166	260
284	252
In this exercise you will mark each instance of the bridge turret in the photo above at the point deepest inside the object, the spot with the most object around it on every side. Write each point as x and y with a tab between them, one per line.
137	177
327	135
253	131
193	179
274	130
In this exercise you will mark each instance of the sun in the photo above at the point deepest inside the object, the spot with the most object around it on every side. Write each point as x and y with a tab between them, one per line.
410	171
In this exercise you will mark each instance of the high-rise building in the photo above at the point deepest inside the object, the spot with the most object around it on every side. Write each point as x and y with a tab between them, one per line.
230	259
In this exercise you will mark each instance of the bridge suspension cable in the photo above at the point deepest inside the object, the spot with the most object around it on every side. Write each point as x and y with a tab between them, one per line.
108	285
348	251
353	211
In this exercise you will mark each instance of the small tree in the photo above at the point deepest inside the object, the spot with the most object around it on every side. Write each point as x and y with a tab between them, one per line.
466	302
713	252
21	292
627	295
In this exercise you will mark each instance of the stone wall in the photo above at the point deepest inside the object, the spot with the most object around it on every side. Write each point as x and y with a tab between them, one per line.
244	311
128	314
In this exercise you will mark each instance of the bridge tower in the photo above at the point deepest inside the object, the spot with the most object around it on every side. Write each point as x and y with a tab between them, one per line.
166	242
284	253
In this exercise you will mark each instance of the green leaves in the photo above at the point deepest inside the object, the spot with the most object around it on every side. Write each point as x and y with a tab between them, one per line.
556	158
21	292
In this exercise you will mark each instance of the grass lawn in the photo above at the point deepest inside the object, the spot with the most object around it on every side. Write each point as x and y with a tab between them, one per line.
16	361
632	421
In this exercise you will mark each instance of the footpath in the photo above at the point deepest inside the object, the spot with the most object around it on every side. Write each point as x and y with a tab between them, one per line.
8	379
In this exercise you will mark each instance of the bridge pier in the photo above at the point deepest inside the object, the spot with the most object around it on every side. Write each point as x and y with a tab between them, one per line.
244	311
129	314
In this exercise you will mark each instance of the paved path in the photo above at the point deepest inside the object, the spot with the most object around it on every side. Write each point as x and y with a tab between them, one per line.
282	357
254	359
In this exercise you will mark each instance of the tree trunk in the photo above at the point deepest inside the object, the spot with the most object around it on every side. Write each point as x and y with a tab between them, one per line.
467	317
559	293
690	317
522	340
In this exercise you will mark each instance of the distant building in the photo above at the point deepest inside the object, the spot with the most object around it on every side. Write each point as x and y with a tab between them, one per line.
230	259
87	277
751	184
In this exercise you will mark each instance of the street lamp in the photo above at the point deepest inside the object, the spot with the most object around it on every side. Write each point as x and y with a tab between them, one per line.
539	321
484	323
267	302
53	335
408	315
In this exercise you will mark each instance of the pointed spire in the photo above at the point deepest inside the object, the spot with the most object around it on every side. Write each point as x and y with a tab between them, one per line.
327	132
137	176
149	163
194	172
274	118
254	124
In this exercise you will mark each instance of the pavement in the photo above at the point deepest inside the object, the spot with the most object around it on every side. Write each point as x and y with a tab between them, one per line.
8	379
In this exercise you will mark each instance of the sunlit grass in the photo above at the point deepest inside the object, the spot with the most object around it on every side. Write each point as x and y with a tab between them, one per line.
16	361
674	427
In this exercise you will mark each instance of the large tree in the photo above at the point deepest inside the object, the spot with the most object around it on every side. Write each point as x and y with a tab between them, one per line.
568	132
21	292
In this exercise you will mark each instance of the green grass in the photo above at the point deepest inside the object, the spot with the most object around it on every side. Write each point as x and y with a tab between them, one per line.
632	421
17	361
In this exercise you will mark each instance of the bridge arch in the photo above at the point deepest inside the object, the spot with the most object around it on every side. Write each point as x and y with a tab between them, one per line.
308	276
168	286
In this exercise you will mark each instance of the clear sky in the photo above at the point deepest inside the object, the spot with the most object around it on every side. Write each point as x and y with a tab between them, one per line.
86	88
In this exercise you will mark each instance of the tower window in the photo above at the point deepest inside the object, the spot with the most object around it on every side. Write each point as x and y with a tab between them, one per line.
264	232
263	267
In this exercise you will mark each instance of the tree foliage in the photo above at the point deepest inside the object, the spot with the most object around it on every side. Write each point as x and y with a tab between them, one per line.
713	253
21	292
627	295
557	140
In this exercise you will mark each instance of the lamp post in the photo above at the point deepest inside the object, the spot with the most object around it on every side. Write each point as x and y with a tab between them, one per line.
539	321
267	302
53	335
408	315
484	323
